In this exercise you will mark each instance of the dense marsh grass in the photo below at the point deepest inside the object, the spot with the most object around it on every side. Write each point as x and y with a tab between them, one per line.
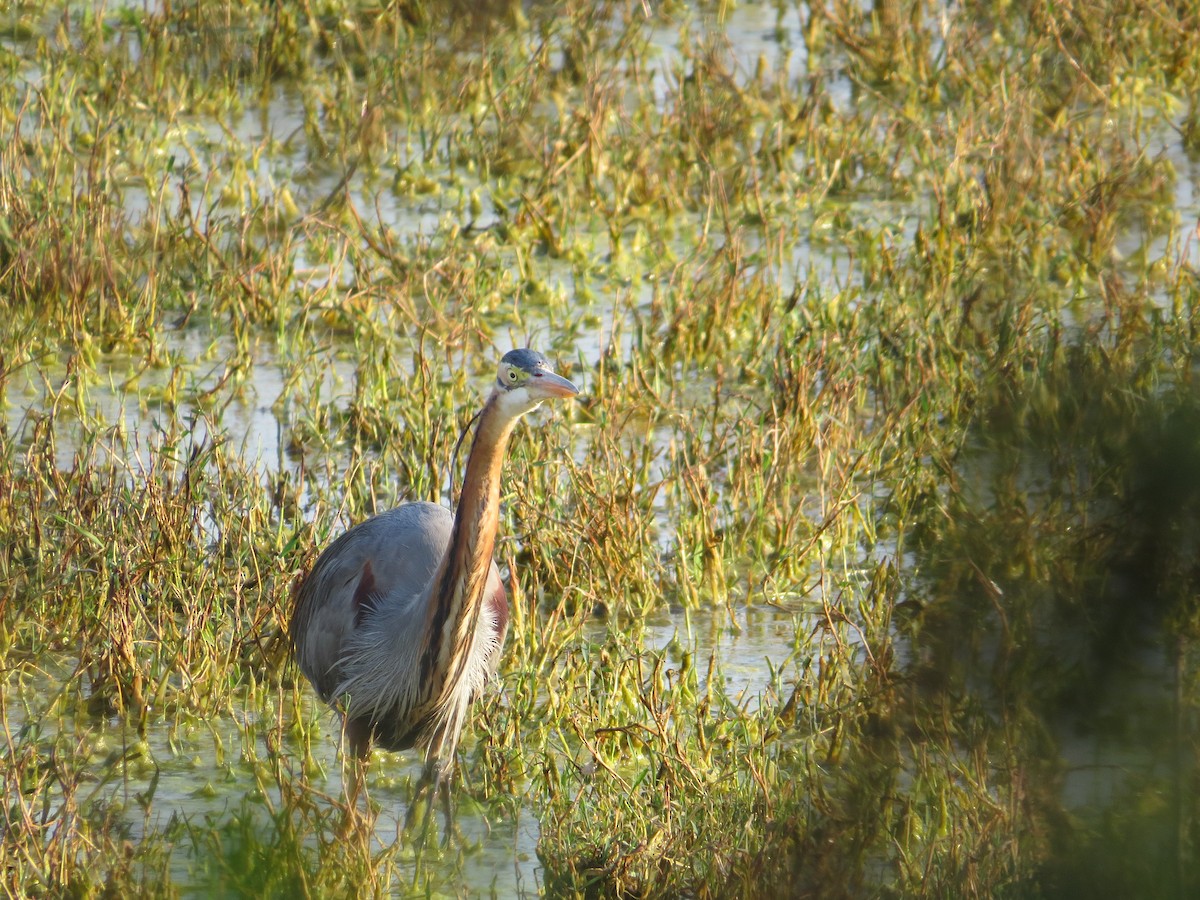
886	320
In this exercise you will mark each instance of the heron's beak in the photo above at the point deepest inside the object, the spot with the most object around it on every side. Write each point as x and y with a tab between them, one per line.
547	384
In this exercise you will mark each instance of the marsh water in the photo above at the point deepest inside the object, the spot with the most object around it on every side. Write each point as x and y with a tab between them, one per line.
203	771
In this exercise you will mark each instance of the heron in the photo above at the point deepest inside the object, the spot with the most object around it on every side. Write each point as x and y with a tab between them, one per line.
401	621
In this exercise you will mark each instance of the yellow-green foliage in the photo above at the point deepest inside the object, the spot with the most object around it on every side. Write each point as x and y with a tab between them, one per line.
865	566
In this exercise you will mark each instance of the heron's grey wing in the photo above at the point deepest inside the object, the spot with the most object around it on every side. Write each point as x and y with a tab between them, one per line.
389	558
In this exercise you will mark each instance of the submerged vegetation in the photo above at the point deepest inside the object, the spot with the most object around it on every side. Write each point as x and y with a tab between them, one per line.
870	567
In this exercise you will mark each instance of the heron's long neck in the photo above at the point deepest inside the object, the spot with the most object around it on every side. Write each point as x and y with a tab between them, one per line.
461	579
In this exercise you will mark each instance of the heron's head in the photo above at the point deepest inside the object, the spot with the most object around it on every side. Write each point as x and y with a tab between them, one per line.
525	379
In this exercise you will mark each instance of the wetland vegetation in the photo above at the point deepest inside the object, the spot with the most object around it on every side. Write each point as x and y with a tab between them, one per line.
867	566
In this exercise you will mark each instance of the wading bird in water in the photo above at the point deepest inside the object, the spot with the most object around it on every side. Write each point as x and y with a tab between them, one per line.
401	621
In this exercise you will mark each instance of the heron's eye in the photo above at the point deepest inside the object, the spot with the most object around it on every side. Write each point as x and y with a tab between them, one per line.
511	376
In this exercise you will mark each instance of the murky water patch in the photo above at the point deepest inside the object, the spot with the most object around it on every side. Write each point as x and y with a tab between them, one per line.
214	775
212	779
141	404
762	39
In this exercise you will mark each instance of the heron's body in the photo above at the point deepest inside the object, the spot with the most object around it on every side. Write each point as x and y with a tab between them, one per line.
402	619
368	625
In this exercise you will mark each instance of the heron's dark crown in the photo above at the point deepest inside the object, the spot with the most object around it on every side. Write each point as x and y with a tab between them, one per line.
526	359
